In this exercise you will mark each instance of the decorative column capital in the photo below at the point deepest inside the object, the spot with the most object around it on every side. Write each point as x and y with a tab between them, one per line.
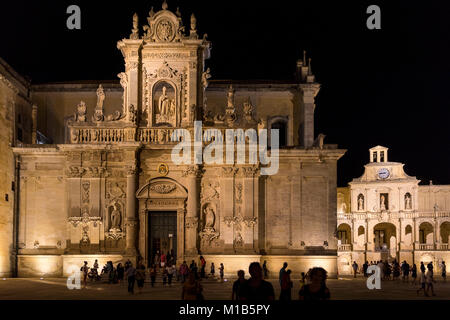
249	172
229	172
131	170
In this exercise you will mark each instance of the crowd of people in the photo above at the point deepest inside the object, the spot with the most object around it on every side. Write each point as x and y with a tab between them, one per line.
394	271
256	287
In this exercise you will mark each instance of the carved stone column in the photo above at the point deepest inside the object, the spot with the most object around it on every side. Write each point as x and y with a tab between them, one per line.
131	219
192	176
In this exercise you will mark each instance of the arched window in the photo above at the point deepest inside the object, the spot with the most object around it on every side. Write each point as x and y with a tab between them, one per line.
282	127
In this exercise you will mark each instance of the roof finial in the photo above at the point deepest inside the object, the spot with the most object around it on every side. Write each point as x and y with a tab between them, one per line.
151	13
309	67
304	57
178	13
193	23
165	5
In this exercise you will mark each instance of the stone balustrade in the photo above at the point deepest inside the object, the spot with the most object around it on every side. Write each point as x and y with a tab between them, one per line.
344	247
394	215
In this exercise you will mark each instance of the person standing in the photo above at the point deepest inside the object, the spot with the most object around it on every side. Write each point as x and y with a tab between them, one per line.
414	273
152	275
131	276
422	267
256	288
171	269
84	271
202	267
163	260
213	270
184	270
221	272
282	271
140	277
237	285
317	288
444	271
365	267
355	269
286	286
265	270
164	276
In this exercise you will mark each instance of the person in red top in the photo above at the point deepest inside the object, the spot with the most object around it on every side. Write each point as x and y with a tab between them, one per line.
184	270
163	260
203	266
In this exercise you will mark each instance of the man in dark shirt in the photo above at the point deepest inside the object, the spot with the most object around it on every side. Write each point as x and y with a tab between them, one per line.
256	288
237	285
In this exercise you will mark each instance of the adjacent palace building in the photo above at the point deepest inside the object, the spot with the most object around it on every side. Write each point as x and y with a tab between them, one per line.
386	215
86	170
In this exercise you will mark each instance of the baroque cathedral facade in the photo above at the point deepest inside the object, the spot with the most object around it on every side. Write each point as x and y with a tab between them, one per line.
87	168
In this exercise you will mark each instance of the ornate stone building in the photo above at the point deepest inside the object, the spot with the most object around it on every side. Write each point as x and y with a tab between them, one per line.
386	215
107	187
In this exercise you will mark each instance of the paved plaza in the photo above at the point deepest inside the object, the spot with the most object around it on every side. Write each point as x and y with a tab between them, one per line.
345	288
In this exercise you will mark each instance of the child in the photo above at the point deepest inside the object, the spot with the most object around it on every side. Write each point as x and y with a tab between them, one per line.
213	270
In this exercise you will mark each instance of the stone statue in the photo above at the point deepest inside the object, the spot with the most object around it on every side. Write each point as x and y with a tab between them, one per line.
205	76
80	115
163	104
172	108
100	97
407	201
382	203
132	114
230	97
135	32
115	218
361	202
209	218
193	24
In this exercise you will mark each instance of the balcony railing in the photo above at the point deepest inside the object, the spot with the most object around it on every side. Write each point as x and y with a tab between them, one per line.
394	215
344	247
425	247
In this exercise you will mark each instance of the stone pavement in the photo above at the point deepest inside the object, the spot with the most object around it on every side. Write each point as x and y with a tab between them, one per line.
341	289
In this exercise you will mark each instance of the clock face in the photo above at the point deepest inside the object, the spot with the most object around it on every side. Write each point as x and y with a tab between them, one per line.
383	173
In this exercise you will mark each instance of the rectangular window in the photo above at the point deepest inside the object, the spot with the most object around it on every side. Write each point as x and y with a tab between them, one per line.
374	157
381	156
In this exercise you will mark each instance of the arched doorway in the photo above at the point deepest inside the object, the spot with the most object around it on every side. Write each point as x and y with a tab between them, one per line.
161	218
344	233
385	240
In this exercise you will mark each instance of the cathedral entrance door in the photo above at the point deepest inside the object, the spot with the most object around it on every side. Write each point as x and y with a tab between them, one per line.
162	234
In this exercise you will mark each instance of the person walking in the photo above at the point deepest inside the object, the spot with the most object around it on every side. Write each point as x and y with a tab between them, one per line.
355	269
405	271
414	274
282	271
286	286
235	294
140	277
171	269
265	270
423	281
120	272
84	271
192	289
153	271
444	271
256	288
430	280
221	272
317	288
131	277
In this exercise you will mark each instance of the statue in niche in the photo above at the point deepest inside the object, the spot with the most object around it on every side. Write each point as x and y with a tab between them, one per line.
382	203
209	217
408	201
360	202
116	217
132	114
100	97
163	104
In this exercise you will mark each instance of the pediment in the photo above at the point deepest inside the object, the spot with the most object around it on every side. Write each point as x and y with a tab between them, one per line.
162	188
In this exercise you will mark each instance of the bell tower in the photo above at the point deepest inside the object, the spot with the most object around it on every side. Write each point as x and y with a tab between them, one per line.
164	70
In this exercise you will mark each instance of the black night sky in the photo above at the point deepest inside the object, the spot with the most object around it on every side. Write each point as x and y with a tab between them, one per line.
379	87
